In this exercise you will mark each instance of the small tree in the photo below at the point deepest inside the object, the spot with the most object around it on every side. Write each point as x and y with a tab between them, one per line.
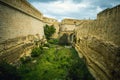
49	31
36	52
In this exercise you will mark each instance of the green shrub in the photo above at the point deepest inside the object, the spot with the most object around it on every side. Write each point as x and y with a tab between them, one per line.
53	41
49	31
25	59
36	52
47	45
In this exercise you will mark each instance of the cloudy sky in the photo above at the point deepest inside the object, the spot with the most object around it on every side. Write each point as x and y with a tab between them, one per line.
78	9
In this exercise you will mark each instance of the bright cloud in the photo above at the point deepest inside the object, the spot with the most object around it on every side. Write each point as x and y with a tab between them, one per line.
79	9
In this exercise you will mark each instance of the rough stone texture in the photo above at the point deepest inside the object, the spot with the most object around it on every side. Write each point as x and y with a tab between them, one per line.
68	27
98	42
49	20
14	23
24	6
57	26
21	27
68	24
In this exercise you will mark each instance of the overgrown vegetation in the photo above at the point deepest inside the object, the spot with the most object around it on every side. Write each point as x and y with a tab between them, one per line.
50	62
53	41
25	59
36	52
49	31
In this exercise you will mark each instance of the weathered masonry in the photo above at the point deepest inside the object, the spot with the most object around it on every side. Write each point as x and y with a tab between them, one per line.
98	42
68	27
21	26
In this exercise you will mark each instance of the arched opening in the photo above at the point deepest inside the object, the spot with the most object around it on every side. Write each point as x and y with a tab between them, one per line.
64	39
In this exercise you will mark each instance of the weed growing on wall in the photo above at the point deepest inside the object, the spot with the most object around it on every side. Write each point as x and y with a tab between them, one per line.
49	31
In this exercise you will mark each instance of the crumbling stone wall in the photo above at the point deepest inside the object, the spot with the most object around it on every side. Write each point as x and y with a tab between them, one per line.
98	42
21	26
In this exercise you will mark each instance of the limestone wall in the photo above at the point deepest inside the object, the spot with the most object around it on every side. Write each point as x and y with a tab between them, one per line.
67	27
98	42
71	21
70	24
110	14
24	6
20	27
49	20
57	26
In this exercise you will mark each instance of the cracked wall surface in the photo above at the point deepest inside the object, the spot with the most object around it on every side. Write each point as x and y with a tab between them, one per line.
98	42
21	26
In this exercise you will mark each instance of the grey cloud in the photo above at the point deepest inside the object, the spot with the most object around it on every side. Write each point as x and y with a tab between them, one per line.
105	3
87	12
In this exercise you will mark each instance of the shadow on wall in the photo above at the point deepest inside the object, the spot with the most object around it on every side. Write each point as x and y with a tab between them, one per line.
64	40
72	38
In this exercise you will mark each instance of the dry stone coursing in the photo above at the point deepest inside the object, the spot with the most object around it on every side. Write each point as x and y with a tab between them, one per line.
20	27
24	6
14	23
68	24
98	41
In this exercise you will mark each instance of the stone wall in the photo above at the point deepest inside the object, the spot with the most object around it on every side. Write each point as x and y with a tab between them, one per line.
23	6
98	42
21	26
56	34
67	27
49	20
70	24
